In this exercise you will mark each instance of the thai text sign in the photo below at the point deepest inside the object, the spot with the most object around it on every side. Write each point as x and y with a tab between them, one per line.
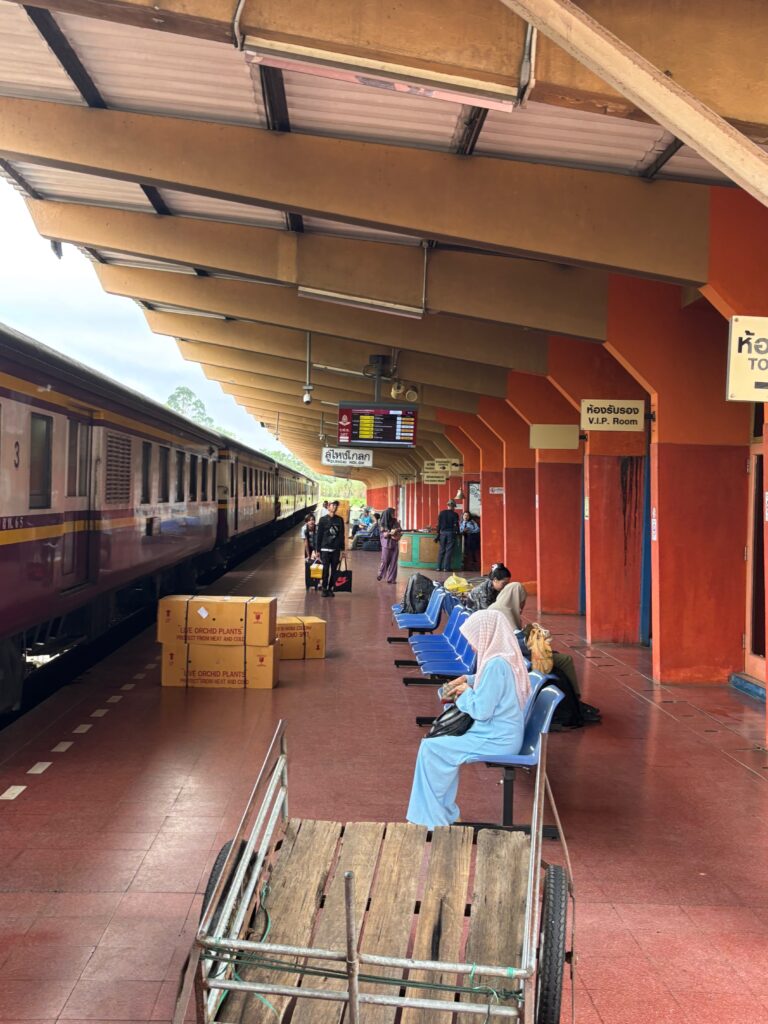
347	458
434	478
612	414
747	359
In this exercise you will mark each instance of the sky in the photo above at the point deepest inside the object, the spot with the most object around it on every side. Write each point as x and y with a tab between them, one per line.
60	303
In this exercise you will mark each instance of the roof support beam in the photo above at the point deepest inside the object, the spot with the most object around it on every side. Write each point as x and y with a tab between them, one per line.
651	90
494	344
557	213
330	352
535	294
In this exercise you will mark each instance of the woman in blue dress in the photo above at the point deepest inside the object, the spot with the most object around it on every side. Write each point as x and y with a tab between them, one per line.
495	697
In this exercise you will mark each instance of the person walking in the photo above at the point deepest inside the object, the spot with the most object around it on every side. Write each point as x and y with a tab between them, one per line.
447	532
390	531
324	511
330	544
308	532
470	531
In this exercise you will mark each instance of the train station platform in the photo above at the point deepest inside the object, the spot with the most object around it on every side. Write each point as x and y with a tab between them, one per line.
126	791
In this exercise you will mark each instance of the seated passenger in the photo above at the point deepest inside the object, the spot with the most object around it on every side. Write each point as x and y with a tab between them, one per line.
364	522
495	697
511	602
484	594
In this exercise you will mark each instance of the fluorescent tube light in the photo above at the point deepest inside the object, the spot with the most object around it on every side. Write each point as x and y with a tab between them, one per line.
361	302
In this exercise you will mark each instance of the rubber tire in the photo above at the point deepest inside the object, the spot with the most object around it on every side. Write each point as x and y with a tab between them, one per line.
554	913
213	878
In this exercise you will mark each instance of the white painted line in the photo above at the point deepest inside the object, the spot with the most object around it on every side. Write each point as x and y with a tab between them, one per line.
39	768
99	712
113	700
61	748
139	675
82	728
127	686
12	792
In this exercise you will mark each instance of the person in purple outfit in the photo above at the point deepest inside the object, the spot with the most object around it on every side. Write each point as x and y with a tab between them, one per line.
391	531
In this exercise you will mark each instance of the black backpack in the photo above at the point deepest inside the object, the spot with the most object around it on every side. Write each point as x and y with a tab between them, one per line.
418	591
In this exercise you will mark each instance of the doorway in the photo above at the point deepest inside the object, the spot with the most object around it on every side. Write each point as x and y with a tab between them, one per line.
754	632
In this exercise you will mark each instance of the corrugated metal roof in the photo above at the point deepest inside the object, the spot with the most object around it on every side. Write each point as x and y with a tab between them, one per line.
166	307
323	106
162	73
549	134
27	67
320	226
191	205
55	183
686	163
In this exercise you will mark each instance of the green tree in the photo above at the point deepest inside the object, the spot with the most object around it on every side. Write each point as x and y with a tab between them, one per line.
330	486
185	402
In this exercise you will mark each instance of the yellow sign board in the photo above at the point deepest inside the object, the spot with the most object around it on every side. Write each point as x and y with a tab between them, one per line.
747	378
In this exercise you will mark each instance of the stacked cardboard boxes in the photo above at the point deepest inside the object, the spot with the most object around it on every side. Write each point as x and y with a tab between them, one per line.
219	641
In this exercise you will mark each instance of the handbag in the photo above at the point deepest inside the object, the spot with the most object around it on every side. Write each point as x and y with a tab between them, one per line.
452	722
343	579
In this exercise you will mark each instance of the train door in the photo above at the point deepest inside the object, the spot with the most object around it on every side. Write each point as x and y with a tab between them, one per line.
76	553
754	631
234	491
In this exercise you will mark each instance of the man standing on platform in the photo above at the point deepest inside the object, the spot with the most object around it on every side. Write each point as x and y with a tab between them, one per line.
447	532
330	544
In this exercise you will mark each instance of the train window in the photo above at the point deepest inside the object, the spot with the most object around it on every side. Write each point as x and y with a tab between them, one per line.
232	489
40	454
250	481
164	487
214	475
193	478
245	481
203	479
146	472
117	475
180	460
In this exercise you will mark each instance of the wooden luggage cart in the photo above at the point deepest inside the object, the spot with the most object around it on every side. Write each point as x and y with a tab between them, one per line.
317	921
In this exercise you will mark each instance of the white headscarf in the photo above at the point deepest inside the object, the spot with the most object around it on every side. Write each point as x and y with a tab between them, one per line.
492	636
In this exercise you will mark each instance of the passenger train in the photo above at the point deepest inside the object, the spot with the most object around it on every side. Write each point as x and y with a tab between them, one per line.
108	500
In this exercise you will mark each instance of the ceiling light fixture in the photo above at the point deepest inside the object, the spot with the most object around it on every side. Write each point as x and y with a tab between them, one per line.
378	74
361	302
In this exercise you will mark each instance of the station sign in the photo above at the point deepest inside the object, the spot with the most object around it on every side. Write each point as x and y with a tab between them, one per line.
450	466
430	466
347	458
434	478
558	436
747	378
612	414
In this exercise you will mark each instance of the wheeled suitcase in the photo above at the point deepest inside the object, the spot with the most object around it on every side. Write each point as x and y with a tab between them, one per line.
310	582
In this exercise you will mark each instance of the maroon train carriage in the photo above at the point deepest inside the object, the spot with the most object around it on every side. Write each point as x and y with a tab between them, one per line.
108	500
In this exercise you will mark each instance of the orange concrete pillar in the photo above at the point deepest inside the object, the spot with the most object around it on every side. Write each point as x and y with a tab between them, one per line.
519	482
614	476
699	450
491	482
558	500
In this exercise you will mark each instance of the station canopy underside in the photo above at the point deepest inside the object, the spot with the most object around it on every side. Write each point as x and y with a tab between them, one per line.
438	183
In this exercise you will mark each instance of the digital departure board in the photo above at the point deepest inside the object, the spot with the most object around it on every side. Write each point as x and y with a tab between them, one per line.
382	425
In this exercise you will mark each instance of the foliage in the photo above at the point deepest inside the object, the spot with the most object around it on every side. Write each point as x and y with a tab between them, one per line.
185	402
330	486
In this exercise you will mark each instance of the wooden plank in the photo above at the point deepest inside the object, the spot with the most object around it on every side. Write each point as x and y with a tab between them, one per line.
441	917
390	917
498	901
359	853
293	899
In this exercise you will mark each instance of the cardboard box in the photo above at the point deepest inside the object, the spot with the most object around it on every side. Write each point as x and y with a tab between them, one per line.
301	636
219	667
262	666
216	620
173	663
261	619
290	637
172	619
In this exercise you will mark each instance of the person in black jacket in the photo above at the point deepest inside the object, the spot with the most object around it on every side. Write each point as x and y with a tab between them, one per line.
330	543
447	532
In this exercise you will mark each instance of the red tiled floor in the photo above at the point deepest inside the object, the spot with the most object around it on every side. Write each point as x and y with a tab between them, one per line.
665	806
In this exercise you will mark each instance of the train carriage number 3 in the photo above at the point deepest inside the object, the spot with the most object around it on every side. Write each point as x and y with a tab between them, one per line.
16	454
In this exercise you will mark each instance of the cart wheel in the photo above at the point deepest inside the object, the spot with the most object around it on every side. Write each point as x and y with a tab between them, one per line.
554	912
213	878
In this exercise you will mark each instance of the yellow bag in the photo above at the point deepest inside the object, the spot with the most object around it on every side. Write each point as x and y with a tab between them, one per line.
316	571
457	585
540	646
